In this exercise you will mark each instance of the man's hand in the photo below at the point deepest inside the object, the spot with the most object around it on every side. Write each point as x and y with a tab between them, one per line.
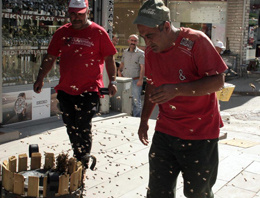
139	82
112	89
163	94
201	87
47	64
37	87
142	133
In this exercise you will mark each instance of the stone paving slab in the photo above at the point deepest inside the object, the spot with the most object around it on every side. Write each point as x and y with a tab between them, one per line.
229	191
122	167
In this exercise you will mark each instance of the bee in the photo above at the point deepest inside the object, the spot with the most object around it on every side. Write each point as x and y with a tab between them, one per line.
252	86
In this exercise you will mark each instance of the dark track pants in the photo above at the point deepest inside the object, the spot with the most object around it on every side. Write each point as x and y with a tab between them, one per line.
197	160
77	113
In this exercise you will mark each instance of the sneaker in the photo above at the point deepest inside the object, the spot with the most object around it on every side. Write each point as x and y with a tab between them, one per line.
85	161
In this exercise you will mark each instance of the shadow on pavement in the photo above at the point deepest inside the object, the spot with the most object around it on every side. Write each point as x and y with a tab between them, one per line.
235	101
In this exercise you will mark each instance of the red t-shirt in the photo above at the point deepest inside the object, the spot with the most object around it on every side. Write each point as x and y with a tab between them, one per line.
82	55
191	58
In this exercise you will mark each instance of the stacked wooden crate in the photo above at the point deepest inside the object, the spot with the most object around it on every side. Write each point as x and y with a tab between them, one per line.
14	182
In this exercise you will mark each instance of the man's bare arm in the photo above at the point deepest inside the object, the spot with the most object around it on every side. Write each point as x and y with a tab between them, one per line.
45	68
146	114
141	76
204	86
111	71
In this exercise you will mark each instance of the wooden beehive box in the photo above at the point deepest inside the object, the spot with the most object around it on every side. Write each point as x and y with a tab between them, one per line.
13	182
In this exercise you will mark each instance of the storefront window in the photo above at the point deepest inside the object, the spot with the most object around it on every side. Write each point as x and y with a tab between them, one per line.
253	31
253	42
27	30
207	16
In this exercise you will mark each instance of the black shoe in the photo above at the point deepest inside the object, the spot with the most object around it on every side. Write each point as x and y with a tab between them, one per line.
85	161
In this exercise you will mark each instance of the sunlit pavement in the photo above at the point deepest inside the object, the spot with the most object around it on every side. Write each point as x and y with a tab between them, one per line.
122	167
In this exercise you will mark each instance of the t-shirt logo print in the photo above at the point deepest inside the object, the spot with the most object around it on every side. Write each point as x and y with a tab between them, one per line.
78	41
187	43
148	11
77	4
181	76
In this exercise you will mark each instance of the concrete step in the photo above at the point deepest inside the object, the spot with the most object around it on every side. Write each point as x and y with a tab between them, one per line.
7	135
28	128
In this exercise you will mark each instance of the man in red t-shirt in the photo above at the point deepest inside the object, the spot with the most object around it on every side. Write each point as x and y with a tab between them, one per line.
183	72
83	47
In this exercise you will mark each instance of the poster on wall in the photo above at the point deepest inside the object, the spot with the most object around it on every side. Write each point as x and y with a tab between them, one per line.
204	27
17	106
41	104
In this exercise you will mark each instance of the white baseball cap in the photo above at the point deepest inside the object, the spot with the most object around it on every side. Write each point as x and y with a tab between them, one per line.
220	45
78	6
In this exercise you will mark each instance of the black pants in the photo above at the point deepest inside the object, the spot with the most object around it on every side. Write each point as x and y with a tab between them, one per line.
196	159
77	113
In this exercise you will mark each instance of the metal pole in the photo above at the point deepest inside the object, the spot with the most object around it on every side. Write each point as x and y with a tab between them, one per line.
242	35
108	15
97	10
166	2
107	23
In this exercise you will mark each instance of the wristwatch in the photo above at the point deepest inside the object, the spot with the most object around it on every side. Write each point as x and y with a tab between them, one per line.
20	106
113	82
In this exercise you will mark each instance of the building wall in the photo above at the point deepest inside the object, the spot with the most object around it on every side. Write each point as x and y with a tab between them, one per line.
230	19
237	27
201	14
124	14
1	118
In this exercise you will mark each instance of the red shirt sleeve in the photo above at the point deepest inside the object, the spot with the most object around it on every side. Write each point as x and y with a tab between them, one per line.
207	59
106	46
147	71
56	42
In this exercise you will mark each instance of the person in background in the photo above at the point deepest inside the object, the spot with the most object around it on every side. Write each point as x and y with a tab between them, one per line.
83	47
183	72
132	66
220	47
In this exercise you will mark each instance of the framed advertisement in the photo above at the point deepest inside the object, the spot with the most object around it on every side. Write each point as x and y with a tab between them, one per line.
17	106
41	104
